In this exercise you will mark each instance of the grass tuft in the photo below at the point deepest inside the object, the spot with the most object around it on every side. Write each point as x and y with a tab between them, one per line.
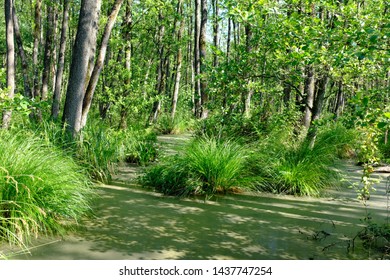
206	166
41	189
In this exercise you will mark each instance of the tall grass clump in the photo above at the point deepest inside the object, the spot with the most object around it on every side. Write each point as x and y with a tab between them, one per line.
284	165
41	189
98	150
206	166
138	146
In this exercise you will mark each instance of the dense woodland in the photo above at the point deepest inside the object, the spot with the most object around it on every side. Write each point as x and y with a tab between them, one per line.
275	93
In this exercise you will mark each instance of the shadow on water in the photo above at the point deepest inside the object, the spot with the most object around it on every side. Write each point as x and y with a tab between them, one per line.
133	223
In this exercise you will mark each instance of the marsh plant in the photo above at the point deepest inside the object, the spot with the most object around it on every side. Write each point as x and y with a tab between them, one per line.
41	188
206	166
284	164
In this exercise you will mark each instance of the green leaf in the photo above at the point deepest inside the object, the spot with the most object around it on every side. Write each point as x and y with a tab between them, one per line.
382	125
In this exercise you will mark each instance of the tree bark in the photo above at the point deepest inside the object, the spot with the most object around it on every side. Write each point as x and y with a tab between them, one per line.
22	54
48	51
82	52
216	31
9	25
127	35
197	95
61	62
160	84
309	91
339	108
317	108
37	40
99	62
179	59
202	57
249	93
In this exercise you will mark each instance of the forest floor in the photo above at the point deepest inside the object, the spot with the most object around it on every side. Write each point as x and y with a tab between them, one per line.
133	223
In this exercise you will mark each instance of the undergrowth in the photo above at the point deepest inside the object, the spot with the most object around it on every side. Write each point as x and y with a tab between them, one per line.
41	188
284	165
206	166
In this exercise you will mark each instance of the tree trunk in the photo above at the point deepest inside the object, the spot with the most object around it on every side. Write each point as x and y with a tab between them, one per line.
48	51
37	40
179	59
197	95
249	93
309	91
22	54
216	31
61	62
82	52
9	25
228	42
53	69
339	108
319	98
317	108
127	26
160	84
99	62
202	57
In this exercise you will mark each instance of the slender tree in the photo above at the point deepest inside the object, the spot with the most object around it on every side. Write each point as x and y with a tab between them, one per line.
82	52
22	54
202	57
9	25
179	58
61	62
99	62
197	95
48	54
37	40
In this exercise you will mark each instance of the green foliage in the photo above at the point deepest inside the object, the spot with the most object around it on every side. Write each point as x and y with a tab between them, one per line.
180	124
137	146
40	188
223	125
218	165
100	147
98	151
206	166
376	236
283	165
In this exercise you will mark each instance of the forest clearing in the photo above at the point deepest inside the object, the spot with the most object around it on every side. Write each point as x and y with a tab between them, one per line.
194	129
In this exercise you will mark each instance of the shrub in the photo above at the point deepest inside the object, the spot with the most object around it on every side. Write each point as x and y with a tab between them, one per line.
180	124
138	146
98	151
40	188
283	165
207	166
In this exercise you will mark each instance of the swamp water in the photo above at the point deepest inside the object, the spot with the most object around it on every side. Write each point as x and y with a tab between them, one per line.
133	223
